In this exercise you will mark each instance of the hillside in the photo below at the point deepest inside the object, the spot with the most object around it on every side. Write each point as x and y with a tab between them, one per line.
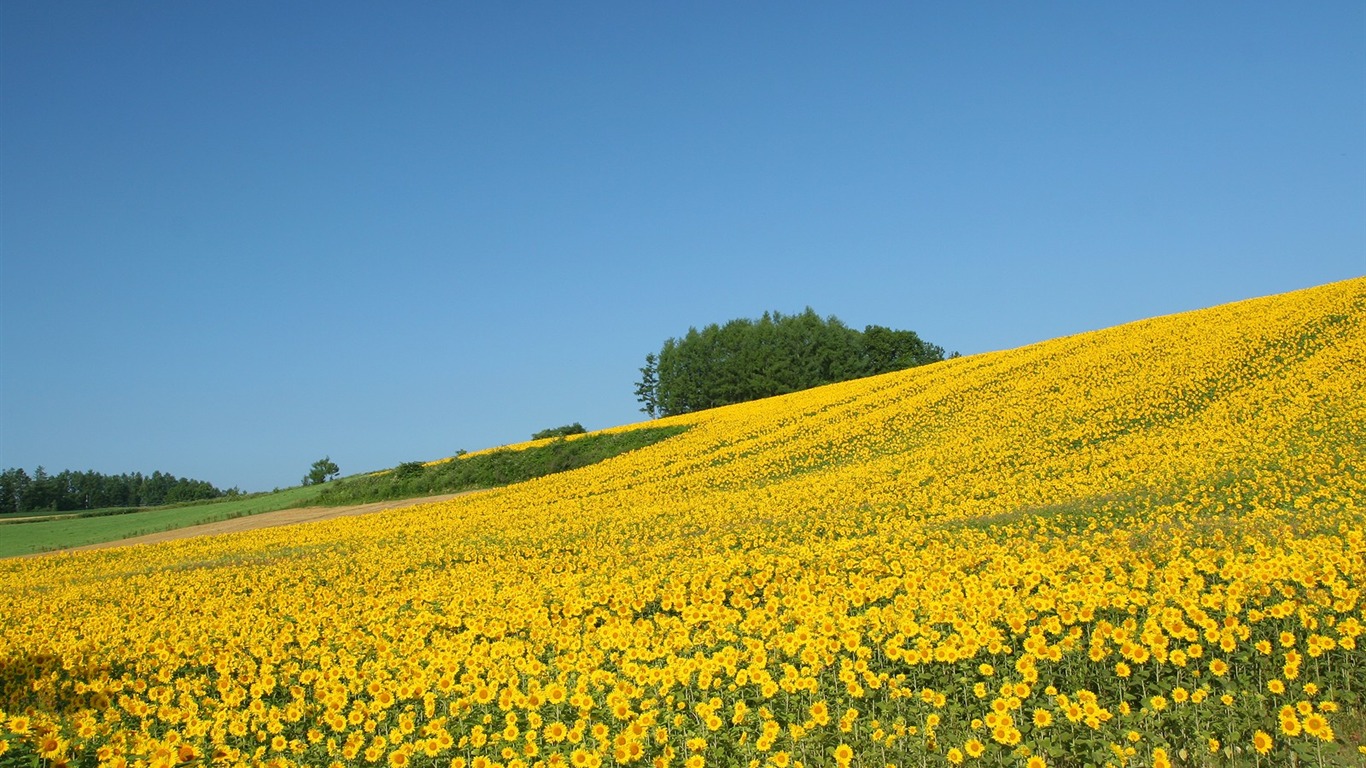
1114	546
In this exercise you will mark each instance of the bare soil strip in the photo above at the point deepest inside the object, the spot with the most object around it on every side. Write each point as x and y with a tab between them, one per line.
263	520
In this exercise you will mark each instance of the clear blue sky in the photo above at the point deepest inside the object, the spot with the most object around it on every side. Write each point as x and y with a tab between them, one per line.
237	236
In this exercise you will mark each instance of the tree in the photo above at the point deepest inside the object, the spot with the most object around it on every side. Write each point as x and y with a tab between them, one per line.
42	492
888	350
647	389
565	431
70	490
749	359
14	485
323	469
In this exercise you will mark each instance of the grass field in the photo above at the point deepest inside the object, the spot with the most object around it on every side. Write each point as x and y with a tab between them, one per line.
24	538
1143	546
11	516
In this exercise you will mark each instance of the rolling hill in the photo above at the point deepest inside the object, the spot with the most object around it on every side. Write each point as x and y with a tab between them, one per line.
1143	546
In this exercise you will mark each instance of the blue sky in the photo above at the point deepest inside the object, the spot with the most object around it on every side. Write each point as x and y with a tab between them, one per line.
236	237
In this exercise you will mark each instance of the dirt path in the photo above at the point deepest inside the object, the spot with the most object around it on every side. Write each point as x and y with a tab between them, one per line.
265	520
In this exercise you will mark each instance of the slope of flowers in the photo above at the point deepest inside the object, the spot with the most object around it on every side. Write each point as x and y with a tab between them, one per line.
1139	547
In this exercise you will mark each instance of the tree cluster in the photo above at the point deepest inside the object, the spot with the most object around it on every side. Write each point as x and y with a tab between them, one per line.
71	491
750	359
565	431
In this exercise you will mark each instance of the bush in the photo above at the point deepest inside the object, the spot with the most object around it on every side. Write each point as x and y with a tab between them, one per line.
568	429
409	469
492	469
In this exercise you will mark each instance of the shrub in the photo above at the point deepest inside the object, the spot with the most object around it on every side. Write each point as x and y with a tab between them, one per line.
409	469
568	429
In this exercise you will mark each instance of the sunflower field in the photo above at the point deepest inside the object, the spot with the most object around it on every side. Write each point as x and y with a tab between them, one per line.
1142	546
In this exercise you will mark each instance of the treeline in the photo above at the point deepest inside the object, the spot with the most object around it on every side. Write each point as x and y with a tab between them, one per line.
750	359
69	491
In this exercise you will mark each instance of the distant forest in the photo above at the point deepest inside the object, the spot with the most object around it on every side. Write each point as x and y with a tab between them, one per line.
749	359
69	491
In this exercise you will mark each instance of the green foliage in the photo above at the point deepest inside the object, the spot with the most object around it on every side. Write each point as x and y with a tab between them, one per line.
69	491
491	469
750	359
647	389
568	429
323	469
409	469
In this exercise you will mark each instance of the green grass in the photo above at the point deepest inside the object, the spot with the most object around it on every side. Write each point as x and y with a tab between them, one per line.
36	516
8	516
490	469
95	526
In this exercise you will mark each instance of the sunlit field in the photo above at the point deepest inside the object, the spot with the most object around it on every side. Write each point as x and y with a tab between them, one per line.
1138	547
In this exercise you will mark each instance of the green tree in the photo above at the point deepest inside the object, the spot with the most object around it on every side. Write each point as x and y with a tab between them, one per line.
888	350
323	469
568	429
647	389
774	355
70	490
14	485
